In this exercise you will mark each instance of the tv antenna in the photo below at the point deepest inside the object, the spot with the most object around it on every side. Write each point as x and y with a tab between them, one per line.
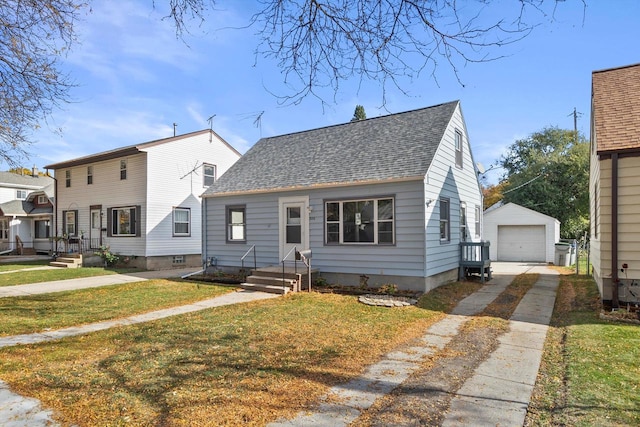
191	172
210	120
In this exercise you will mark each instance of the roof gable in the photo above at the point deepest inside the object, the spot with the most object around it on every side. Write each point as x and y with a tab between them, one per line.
394	147
130	150
616	108
511	209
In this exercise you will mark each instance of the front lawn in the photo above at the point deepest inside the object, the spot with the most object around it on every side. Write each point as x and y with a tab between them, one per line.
36	313
12	265
38	276
245	364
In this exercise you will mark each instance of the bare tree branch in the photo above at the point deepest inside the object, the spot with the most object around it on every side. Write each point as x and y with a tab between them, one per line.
33	37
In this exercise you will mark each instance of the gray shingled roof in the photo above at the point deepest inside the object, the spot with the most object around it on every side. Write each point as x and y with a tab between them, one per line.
16	180
384	148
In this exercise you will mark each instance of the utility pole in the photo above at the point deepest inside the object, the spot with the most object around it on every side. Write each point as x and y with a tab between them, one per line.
575	115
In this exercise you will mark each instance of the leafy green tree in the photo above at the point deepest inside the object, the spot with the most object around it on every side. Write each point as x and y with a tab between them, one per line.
549	173
359	114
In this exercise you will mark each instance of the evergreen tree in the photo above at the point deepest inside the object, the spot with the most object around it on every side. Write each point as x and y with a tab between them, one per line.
359	114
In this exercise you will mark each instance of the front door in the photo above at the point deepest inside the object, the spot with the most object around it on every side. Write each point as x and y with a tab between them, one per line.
294	226
96	228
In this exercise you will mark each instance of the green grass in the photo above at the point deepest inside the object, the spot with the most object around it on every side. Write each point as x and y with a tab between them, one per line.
590	373
37	276
11	266
36	313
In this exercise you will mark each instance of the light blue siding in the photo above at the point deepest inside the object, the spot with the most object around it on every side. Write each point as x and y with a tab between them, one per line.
446	180
405	258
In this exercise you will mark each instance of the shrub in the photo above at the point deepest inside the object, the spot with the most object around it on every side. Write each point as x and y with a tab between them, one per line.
107	256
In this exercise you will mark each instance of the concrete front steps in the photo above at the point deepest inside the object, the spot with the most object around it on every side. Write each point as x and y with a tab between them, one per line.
67	261
270	279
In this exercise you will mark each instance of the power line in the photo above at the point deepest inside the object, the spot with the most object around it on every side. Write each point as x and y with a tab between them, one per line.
522	185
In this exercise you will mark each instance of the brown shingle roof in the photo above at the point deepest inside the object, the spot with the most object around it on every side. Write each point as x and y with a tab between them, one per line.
616	108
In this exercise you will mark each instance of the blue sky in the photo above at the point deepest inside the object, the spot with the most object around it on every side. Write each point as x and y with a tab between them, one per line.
135	79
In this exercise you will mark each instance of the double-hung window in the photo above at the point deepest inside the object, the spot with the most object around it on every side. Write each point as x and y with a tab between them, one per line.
4	229
123	169
67	178
445	235
124	221
70	222
21	194
43	200
365	221
236	224
42	229
463	222
89	175
181	221
458	146
208	174
477	213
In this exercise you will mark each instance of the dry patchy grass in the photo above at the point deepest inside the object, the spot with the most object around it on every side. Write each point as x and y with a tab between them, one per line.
246	364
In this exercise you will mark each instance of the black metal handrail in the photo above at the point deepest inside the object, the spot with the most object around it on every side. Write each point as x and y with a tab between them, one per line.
255	262
295	264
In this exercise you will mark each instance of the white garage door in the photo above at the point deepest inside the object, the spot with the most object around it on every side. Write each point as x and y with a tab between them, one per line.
521	243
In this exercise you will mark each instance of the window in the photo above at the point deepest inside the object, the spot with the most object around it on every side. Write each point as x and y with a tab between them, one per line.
4	229
463	222
43	200
42	229
208	174
360	221
89	175
181	221
178	259
458	149
444	220
236	224
67	178
21	194
124	221
123	169
70	223
477	214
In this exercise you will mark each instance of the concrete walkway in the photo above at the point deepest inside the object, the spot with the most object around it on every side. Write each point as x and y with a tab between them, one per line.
497	394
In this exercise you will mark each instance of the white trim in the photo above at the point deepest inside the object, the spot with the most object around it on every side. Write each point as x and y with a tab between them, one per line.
304	218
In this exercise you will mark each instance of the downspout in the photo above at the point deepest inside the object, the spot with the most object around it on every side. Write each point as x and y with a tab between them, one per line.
54	242
203	225
614	231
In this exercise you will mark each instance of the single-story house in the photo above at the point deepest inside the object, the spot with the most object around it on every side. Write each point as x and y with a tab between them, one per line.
387	198
520	234
141	201
614	183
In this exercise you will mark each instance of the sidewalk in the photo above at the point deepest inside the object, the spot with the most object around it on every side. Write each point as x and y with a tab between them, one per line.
497	394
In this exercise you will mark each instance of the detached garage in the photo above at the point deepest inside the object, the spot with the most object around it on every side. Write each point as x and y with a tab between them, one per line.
520	234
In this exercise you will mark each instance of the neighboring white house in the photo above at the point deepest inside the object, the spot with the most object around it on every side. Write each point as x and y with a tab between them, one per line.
26	212
520	234
388	197
142	201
